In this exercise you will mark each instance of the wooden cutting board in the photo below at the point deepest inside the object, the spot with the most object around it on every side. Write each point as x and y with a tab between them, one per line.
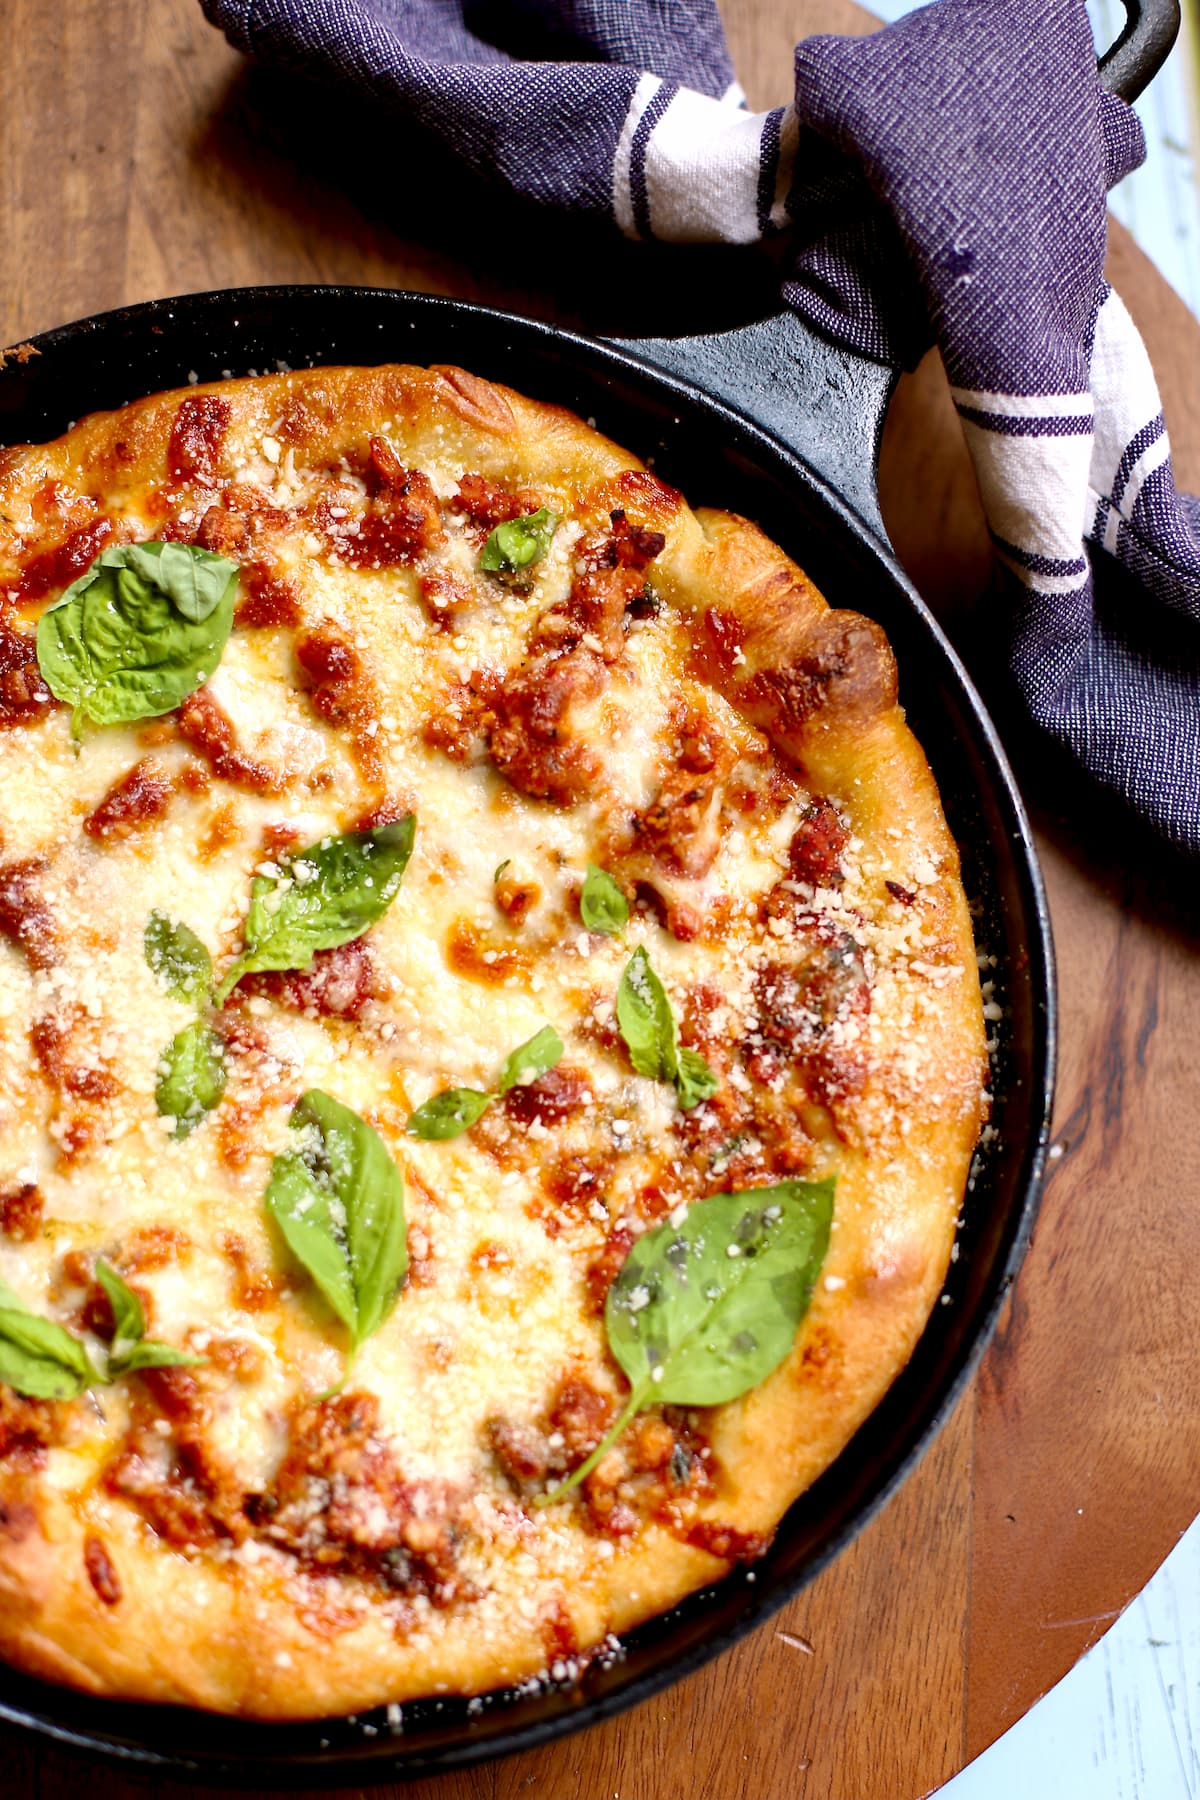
141	158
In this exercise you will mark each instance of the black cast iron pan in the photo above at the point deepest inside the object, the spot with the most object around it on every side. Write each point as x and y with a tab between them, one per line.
772	422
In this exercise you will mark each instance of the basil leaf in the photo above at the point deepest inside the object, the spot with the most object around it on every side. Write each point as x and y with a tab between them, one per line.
701	1312
646	1021
191	1077
339	1202
194	580
520	542
449	1114
647	1024
694	1080
602	905
131	1349
142	629
322	897
531	1059
313	1225
178	958
39	1358
500	868
129	1320
148	1353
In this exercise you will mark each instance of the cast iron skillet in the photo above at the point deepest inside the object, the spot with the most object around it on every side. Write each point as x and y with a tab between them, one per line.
766	420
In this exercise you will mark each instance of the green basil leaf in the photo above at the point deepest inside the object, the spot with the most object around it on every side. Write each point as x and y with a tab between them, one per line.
531	1059
178	958
602	905
500	868
520	542
191	1077
322	897
449	1114
701	1312
312	1221
694	1080
339	1202
129	1320
148	1353
194	580
41	1359
647	1024
142	629
646	1021
131	1349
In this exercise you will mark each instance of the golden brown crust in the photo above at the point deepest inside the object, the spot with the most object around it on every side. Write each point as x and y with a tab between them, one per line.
218	1629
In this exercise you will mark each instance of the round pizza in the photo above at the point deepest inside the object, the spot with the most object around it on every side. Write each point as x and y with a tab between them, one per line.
491	1042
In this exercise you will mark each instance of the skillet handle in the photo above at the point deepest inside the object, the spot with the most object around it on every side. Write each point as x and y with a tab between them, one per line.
1130	64
824	404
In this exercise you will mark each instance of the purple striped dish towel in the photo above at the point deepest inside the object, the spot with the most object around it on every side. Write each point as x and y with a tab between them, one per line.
944	180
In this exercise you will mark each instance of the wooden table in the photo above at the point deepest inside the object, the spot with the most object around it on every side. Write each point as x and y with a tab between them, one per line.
141	158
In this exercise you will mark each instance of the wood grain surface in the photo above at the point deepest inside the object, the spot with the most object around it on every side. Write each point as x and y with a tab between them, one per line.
140	157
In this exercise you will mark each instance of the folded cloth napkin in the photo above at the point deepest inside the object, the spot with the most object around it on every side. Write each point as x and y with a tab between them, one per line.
943	179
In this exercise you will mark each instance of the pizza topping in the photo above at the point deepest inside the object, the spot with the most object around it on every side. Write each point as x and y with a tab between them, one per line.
38	1357
24	696
400	522
129	1348
197	437
141	795
66	1050
519	543
528	733
339	1202
100	1570
267	599
191	1077
174	1476
602	905
648	1026
28	1428
342	691
340	1504
550	1098
57	567
486	504
515	899
449	1114
25	918
817	846
178	958
527	722
141	630
318	898
704	1310
204	725
340	983
21	1210
680	831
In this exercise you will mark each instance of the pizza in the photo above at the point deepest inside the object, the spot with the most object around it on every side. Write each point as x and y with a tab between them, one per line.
491	1042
